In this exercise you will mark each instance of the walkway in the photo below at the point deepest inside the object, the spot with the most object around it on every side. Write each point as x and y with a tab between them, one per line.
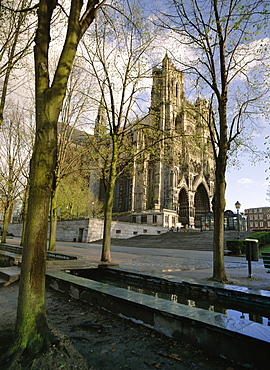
190	264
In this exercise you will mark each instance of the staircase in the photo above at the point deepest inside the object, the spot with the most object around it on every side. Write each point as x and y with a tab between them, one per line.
190	240
9	275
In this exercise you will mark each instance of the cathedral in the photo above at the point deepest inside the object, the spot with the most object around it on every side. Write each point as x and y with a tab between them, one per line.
173	188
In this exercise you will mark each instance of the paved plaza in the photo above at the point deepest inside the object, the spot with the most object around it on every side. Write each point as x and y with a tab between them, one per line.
195	265
191	264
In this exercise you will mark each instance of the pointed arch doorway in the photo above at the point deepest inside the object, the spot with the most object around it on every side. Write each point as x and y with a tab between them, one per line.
201	204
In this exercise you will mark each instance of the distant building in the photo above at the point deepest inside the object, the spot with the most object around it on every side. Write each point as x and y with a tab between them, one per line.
231	221
258	218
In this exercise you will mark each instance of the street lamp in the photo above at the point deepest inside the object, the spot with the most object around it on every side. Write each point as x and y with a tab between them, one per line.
238	206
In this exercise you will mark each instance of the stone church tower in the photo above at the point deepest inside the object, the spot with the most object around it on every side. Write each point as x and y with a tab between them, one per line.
176	185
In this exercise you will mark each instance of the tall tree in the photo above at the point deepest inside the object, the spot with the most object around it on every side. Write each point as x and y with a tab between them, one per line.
222	56
31	331
119	66
72	155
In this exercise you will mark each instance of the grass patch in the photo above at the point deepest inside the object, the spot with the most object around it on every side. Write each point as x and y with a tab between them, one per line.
265	248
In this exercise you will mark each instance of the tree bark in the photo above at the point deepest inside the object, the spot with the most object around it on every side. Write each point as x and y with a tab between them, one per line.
219	273
25	206
32	331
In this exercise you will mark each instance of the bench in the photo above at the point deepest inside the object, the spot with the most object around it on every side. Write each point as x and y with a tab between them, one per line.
266	260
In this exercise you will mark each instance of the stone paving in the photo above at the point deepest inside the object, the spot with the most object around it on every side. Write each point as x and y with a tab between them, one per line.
182	263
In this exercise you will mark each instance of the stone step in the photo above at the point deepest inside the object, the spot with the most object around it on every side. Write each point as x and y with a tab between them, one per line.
9	274
190	240
2	282
9	258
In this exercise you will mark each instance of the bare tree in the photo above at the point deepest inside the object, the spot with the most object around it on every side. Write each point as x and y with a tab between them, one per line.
119	64
222	56
17	34
15	152
73	152
32	332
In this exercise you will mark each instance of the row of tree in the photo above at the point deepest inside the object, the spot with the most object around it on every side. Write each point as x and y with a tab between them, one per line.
226	57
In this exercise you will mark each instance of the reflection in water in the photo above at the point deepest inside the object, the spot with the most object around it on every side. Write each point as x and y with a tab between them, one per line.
223	308
249	316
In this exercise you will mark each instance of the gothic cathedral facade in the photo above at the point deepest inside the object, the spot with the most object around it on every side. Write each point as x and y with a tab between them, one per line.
174	187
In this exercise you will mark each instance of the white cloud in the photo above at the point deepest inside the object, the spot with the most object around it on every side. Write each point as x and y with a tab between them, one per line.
265	184
245	181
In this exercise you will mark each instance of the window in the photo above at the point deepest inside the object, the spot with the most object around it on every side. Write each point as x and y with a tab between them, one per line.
255	217
261	217
261	224
135	232
154	219
256	224
133	219
251	217
144	219
145	231
166	219
173	220
118	231
268	223
251	224
268	216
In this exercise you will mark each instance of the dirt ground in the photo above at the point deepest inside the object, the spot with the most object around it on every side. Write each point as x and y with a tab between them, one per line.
91	338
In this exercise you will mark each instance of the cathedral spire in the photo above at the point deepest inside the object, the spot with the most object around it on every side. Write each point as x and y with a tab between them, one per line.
101	122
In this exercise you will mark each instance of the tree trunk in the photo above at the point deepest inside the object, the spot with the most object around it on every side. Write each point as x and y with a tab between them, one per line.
106	246
32	331
219	196
25	205
219	273
5	223
53	219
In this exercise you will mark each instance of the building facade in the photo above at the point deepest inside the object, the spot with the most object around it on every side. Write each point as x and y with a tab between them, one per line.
174	185
258	218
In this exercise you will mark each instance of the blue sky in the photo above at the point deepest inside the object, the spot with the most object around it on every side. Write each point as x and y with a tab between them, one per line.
248	182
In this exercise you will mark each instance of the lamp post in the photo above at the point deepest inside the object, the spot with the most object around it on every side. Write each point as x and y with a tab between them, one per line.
238	206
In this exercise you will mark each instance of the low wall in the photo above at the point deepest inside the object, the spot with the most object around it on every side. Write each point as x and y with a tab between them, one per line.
89	230
235	339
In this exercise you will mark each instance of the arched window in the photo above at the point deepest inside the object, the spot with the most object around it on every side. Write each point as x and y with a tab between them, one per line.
183	207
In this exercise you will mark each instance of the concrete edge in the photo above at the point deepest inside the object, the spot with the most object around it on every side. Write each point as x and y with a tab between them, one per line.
213	332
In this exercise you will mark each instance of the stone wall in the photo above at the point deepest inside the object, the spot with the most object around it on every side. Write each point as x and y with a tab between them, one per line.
89	230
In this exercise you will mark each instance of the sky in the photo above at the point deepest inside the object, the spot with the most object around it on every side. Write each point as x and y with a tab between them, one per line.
248	182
